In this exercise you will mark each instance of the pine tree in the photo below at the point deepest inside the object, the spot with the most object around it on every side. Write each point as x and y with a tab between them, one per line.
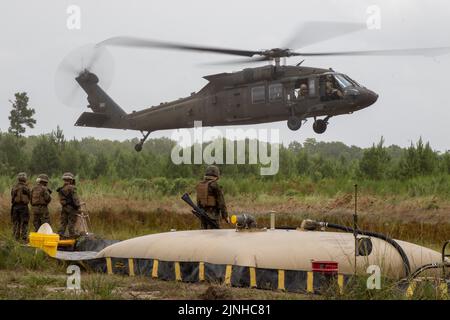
58	137
419	159
21	115
375	161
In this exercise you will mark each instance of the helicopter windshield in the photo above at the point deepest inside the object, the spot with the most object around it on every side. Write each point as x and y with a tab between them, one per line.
343	81
356	84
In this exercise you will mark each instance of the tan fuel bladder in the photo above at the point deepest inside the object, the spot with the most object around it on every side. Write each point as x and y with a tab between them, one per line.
272	249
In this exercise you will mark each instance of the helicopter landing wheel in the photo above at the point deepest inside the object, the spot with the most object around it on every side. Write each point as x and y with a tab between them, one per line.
294	123
320	126
138	147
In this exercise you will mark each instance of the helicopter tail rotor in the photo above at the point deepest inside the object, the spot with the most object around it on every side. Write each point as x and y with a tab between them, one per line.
106	112
88	59
76	78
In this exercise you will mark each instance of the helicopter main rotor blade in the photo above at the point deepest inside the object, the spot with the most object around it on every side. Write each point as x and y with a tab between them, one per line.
237	61
392	52
318	31
146	43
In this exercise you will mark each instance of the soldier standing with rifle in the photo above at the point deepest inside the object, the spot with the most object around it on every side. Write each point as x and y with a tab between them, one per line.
40	199
20	215
210	199
70	205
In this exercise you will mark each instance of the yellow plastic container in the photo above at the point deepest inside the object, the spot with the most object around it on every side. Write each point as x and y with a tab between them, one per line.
36	240
50	247
46	242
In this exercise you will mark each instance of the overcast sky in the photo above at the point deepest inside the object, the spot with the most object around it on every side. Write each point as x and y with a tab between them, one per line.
414	91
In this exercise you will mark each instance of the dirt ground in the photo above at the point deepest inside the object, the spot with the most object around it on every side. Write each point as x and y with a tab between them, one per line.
45	285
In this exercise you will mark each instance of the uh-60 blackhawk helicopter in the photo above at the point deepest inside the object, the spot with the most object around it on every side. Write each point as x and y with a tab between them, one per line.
263	94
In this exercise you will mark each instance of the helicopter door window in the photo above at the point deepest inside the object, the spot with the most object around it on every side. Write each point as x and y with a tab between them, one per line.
258	95
275	92
301	89
312	87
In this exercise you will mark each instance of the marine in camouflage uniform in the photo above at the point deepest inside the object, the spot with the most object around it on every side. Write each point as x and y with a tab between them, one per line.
70	205
20	215
40	199
210	198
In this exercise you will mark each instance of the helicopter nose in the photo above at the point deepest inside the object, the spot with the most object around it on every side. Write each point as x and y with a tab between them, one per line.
367	98
373	97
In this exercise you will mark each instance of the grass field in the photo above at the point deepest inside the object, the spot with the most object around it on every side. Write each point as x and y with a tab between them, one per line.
418	213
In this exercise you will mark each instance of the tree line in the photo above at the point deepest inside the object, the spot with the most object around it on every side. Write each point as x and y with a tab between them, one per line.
90	158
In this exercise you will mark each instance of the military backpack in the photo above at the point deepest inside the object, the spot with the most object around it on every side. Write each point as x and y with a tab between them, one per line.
204	197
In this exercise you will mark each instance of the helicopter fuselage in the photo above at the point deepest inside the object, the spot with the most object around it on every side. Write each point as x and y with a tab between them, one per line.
251	96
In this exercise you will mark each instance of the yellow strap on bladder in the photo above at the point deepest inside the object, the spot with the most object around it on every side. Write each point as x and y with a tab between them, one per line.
341	283
310	282
109	266
410	290
443	290
201	271
131	267
252	277
177	271
228	274
155	269
281	280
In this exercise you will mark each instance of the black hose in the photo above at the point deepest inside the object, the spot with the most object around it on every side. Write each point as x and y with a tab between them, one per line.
400	250
424	268
429	266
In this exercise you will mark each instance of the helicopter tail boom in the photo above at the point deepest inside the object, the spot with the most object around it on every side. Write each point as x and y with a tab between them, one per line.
94	120
106	112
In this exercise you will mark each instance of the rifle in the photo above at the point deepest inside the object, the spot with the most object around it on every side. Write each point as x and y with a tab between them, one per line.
199	212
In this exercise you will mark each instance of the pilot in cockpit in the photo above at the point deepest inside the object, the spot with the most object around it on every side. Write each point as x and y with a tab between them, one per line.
330	89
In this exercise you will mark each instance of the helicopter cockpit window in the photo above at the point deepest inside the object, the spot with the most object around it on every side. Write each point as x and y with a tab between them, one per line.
258	94
331	87
275	92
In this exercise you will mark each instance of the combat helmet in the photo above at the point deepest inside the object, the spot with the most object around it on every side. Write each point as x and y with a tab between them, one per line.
42	178
212	171
68	176
22	177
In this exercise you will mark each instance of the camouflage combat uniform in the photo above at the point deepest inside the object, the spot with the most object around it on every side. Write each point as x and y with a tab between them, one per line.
40	199
210	198
20	215
70	206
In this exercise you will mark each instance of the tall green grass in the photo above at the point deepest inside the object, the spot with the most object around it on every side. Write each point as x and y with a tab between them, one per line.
14	256
143	189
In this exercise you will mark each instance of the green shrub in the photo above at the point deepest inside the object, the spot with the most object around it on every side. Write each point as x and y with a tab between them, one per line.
162	185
